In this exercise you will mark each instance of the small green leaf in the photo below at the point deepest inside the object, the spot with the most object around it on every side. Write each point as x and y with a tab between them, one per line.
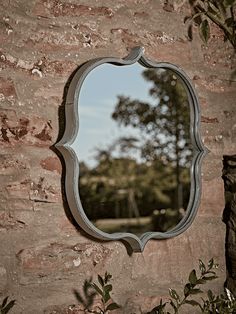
200	281
210	295
192	302
210	264
210	277
174	295
204	31
202	267
100	280
187	288
107	277
195	291
107	288
106	297
112	306
97	289
193	277
230	22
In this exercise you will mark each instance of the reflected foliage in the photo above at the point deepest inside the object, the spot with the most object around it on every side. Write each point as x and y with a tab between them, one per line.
143	180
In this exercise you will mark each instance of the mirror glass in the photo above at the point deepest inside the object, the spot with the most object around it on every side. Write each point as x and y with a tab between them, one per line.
134	148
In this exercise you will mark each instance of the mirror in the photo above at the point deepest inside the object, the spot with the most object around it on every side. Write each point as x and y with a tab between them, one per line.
132	149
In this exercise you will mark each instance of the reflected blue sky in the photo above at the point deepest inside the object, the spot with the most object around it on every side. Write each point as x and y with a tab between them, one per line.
97	101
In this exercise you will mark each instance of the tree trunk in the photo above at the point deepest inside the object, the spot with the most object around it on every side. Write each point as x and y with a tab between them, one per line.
229	217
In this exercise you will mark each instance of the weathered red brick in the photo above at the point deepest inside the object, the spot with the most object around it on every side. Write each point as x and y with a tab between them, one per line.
19	190
10	164
61	8
41	191
212	200
40	263
213	84
7	87
9	222
33	130
60	67
51	164
39	68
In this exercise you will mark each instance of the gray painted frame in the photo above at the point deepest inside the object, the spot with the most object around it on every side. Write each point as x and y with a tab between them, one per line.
65	146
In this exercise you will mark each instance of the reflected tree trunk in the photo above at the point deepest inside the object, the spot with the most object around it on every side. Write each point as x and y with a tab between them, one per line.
178	197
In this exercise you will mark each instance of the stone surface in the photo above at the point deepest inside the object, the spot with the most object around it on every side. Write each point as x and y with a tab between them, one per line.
43	256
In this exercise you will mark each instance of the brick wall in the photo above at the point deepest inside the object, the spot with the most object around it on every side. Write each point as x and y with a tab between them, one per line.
43	257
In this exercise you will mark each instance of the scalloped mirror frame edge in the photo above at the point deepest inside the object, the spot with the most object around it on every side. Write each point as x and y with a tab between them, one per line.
65	146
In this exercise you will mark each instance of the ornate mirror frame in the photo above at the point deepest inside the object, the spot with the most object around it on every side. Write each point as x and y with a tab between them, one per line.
66	147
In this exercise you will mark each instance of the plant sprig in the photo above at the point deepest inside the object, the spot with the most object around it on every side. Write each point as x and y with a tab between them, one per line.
220	13
103	289
223	304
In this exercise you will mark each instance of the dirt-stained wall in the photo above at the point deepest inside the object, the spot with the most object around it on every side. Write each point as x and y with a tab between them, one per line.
42	255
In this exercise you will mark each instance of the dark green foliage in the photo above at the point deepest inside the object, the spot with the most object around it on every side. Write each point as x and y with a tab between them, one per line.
6	306
223	304
219	12
92	290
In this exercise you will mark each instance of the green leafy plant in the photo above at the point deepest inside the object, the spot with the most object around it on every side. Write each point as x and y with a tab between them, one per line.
223	304
102	289
219	12
6	306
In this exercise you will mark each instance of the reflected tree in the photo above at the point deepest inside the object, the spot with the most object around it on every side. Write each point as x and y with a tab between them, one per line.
164	124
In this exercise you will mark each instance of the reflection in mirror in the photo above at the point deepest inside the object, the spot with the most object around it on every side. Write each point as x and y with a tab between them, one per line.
134	148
